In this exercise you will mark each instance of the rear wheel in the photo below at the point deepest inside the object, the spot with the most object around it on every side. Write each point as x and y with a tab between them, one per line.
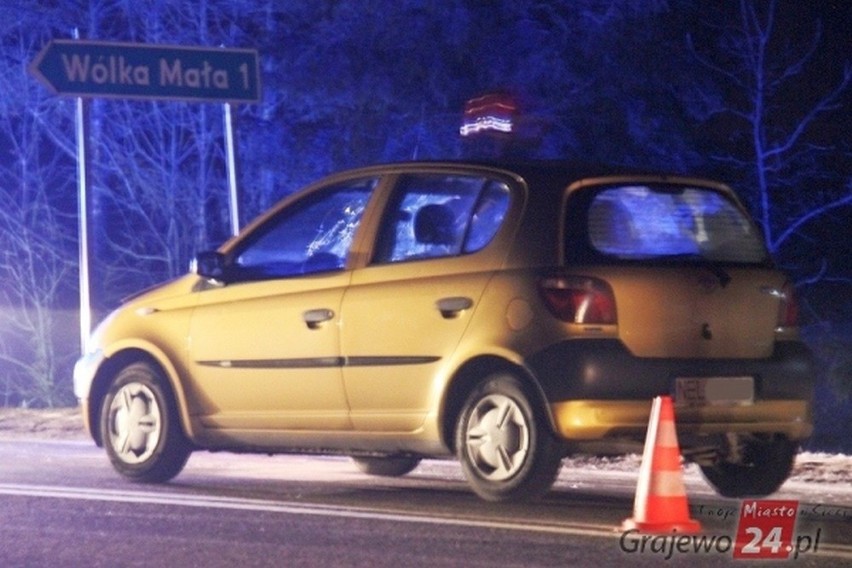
764	467
140	427
505	447
390	466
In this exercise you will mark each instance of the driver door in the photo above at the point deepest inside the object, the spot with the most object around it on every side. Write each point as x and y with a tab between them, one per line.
265	346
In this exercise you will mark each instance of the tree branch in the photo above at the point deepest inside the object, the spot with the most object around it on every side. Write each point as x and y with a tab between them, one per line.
811	215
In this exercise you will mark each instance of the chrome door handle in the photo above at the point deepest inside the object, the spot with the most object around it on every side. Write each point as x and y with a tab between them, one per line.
315	318
453	306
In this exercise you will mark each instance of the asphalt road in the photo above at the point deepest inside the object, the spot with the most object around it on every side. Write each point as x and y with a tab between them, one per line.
62	505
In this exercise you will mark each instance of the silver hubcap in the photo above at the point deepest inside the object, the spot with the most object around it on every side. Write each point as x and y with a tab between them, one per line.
134	423
497	437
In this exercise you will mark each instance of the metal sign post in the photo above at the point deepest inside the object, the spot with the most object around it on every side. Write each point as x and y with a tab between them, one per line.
83	218
233	198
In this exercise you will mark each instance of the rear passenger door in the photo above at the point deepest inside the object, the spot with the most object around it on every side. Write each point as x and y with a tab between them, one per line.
406	311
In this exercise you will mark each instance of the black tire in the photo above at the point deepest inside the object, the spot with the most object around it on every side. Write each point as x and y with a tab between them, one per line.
765	466
504	444
140	428
389	466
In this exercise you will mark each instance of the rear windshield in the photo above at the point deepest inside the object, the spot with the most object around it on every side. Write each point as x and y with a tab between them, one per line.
641	222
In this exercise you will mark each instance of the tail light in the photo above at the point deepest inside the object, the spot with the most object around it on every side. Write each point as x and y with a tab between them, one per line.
788	308
579	299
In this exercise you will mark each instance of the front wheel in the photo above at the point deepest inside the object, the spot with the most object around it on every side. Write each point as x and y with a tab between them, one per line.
505	447
140	427
765	466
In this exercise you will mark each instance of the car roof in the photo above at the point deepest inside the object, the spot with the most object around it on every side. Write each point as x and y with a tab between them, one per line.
545	175
565	170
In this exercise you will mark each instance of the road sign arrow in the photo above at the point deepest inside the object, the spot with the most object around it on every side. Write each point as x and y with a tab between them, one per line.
141	71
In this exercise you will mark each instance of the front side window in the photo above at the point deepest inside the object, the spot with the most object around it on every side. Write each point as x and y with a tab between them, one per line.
313	235
440	215
639	222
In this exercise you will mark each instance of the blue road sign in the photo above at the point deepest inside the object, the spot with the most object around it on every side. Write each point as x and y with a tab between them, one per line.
127	70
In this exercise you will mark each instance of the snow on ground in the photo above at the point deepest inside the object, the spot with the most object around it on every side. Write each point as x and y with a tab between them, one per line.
811	467
823	468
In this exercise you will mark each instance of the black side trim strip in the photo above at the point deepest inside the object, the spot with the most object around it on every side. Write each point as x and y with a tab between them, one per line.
320	362
379	361
306	363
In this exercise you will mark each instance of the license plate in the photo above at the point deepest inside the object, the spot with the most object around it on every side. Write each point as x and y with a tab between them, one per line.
701	391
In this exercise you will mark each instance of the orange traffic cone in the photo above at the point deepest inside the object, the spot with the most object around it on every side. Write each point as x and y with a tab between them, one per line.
661	505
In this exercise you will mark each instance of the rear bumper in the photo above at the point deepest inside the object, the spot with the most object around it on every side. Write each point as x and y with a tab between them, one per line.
581	420
597	389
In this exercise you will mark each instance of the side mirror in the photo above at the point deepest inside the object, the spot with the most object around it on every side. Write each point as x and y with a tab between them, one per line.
208	264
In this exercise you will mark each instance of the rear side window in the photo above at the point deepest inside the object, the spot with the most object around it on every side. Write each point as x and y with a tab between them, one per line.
441	215
639	222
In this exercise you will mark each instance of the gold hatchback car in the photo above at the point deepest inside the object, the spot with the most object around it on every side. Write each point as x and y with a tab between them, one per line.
507	314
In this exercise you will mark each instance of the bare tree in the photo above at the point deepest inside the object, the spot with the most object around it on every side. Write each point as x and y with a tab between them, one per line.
158	164
777	89
159	190
758	73
37	338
